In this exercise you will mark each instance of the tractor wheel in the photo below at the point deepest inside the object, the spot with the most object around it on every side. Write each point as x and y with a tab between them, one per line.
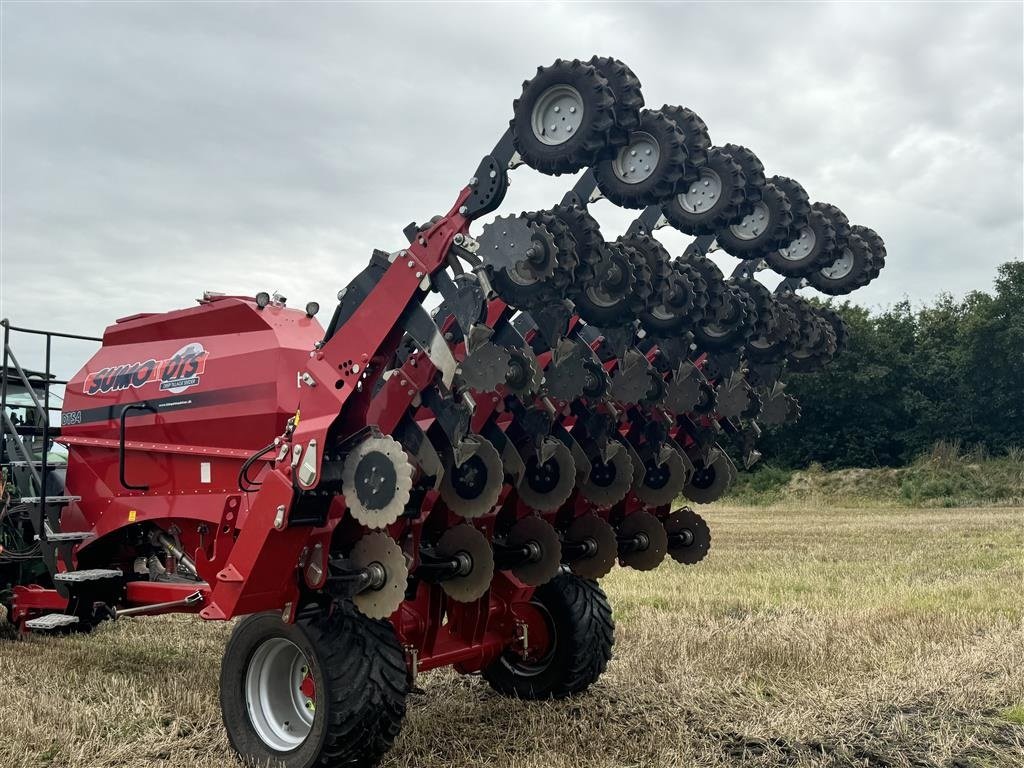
628	99
562	120
586	233
848	272
753	176
330	690
648	168
710	202
813	244
732	326
580	639
765	228
695	136
604	299
799	202
877	247
840	226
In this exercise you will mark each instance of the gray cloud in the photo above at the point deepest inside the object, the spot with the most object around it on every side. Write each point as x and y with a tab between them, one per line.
154	151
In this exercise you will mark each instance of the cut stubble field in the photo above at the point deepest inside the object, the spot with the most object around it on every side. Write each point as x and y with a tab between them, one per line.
808	637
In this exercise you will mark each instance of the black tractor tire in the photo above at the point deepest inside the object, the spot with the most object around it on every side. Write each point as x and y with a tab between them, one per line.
773	347
764	229
877	247
676	303
814	243
583	633
733	325
817	350
695	136
753	176
629	99
840	226
608	313
839	327
620	177
686	211
590	246
849	272
590	139
360	678
799	202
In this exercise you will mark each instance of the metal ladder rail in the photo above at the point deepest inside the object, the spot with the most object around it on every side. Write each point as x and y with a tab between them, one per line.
43	408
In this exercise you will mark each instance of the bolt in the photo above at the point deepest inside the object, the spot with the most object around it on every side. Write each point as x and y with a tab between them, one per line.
473	182
463	210
493	174
410	264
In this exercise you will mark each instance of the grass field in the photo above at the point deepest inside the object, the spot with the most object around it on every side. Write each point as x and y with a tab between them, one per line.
865	637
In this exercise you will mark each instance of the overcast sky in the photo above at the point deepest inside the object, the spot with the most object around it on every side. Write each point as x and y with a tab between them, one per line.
153	151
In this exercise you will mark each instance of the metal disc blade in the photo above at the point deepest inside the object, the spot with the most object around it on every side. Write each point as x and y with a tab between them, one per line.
689	536
733	397
663	483
467	539
709	482
472	488
381	548
540	533
657	541
376	480
609	481
602	535
547	485
485	367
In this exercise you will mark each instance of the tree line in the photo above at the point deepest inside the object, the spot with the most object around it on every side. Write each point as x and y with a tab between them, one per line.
952	370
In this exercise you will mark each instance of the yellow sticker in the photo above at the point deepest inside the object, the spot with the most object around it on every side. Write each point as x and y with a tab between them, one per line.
131	515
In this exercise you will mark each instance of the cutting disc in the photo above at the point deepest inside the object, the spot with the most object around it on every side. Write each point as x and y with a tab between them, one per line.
485	367
646	524
689	536
609	481
710	481
598	531
566	376
376	479
472	488
664	481
466	539
546	485
631	382
733	397
378	547
684	391
774	408
542	537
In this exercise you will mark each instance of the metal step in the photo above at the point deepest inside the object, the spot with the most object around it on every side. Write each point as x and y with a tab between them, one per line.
88	575
51	621
70	537
50	499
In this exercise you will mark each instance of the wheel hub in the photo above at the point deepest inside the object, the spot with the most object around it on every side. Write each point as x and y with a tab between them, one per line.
557	115
703	193
753	224
841	267
280	694
800	248
637	161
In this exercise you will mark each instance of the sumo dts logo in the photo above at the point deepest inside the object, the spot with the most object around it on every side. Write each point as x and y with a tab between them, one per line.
175	374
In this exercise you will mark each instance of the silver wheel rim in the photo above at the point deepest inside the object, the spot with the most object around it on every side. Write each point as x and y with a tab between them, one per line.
557	115
841	267
280	711
637	161
703	193
753	225
800	248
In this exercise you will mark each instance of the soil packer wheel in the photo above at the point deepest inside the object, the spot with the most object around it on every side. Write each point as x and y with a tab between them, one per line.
381	554
581	634
562	120
329	690
648	168
710	202
608	481
547	484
